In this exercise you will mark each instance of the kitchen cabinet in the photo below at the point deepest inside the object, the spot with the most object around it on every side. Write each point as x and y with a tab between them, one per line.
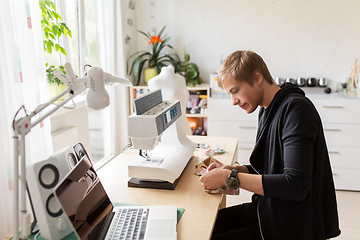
341	122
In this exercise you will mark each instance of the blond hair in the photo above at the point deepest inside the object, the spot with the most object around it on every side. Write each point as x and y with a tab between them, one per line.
241	66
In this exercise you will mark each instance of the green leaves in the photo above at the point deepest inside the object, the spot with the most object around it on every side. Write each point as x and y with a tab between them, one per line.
147	35
190	71
65	30
55	30
48	46
187	57
152	58
50	73
53	27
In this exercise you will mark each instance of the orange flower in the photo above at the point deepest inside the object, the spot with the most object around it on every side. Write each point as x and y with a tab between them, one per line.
155	39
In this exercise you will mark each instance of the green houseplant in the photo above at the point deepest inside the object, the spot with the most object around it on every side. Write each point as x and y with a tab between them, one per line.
152	59
50	73
53	28
189	70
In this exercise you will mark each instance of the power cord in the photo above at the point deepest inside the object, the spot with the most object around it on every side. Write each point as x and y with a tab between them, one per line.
17	112
127	147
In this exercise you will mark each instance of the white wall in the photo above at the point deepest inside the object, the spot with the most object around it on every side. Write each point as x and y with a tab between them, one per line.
153	15
308	38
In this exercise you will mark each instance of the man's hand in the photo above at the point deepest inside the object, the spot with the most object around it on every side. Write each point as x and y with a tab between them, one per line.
215	178
215	165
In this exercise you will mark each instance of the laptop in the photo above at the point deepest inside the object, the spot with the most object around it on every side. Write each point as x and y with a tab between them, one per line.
93	216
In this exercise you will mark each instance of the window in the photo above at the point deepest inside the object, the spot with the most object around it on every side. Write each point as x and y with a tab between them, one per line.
84	19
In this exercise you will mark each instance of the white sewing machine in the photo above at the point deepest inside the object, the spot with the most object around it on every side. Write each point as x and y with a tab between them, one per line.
158	129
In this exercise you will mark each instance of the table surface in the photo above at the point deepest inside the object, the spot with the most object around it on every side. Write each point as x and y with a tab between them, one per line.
200	207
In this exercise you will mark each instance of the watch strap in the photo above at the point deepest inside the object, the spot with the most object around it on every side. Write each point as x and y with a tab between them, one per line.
233	176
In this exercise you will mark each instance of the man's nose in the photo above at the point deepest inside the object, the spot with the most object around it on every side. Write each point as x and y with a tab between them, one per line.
235	101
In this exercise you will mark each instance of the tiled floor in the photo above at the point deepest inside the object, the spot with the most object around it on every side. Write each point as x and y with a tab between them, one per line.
348	207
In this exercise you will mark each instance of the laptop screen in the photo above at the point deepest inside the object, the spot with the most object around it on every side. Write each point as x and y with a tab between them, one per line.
84	200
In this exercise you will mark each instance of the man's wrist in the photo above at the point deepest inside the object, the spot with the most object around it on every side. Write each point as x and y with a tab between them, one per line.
232	180
226	173
240	168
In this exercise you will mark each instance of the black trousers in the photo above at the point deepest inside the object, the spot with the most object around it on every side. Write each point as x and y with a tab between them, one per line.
237	222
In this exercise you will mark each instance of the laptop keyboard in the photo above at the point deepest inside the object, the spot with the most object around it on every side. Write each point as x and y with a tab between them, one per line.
128	223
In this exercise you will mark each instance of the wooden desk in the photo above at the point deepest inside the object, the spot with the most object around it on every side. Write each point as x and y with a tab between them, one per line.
200	207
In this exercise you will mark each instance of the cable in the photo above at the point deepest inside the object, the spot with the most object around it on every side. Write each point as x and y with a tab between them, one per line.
127	146
73	107
35	238
86	65
17	112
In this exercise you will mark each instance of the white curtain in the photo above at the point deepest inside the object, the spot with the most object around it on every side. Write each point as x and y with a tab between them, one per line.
22	82
120	52
110	27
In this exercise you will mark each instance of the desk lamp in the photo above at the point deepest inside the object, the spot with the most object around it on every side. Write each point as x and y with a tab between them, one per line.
97	98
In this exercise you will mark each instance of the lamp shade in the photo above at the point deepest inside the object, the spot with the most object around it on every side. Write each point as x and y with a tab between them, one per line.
97	100
97	97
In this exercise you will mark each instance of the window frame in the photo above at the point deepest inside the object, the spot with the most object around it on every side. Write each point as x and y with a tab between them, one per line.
110	126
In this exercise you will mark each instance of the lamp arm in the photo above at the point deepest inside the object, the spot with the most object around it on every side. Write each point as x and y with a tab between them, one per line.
62	103
110	80
25	217
21	128
16	184
51	101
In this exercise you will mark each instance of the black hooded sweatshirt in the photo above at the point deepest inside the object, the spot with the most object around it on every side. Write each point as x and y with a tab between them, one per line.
290	153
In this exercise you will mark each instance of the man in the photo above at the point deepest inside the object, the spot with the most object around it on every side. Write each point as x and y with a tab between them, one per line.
289	169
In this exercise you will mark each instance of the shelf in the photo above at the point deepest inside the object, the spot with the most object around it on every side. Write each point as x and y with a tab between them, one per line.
203	86
197	115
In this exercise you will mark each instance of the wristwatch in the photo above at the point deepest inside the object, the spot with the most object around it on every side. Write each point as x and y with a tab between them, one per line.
233	181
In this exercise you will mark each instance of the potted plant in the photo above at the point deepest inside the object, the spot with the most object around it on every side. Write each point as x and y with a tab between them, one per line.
189	70
153	60
55	85
53	28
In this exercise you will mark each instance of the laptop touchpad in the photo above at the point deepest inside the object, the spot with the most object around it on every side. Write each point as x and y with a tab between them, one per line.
161	229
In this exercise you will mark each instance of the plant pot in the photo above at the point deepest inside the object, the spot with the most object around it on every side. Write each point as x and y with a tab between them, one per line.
55	89
149	73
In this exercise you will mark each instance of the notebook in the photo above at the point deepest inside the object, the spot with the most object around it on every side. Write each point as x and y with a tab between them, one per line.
93	216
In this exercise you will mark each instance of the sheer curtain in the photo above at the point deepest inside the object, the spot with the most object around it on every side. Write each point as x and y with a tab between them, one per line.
21	83
110	27
22	74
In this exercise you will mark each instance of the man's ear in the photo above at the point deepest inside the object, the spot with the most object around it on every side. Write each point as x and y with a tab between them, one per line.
258	77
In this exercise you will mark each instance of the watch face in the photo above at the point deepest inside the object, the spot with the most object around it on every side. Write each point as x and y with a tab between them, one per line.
232	183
